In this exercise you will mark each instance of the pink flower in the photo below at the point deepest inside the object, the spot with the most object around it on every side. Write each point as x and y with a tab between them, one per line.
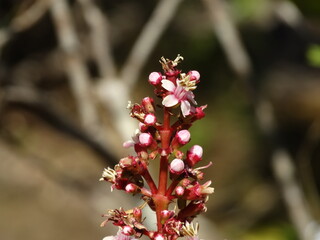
178	94
119	236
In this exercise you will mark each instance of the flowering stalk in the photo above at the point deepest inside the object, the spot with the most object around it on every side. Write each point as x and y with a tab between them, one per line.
162	140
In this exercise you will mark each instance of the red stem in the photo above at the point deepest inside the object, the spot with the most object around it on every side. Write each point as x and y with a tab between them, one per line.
165	143
172	186
161	201
150	182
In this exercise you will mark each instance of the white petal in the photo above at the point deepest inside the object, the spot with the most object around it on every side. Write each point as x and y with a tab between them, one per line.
168	85
190	97
185	108
170	101
108	238
128	144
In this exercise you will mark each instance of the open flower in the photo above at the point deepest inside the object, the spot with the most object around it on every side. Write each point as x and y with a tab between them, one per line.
178	94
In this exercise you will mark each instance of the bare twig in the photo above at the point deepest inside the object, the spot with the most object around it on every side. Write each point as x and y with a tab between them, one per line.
31	99
228	37
75	66
25	20
284	171
99	38
148	38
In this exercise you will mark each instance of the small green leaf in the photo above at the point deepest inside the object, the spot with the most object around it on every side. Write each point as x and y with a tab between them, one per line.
313	55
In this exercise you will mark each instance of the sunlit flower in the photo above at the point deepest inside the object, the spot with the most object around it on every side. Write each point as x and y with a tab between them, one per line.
178	94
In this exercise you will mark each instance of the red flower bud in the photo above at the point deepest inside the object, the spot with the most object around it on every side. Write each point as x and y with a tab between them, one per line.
179	191
194	76
150	119
159	236
131	188
127	230
194	155
176	166
137	213
145	139
155	78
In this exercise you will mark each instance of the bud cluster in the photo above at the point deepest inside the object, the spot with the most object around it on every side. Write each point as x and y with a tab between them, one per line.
161	140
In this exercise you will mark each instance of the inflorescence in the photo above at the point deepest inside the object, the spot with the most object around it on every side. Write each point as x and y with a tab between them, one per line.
161	140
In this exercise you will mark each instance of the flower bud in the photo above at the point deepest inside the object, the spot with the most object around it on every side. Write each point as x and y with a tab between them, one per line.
179	191
131	188
142	127
194	155
185	182
159	236
177	166
127	230
148	104
166	214
145	139
155	78
194	76
150	119
137	213
183	137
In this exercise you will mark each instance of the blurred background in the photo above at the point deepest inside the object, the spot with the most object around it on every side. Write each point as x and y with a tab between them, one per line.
68	68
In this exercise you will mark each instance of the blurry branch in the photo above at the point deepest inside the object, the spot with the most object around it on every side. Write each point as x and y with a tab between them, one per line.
148	38
33	100
99	36
75	66
25	20
282	163
311	142
287	12
228	37
284	170
30	16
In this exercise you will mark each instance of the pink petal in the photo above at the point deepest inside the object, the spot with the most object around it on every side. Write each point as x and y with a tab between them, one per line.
128	144
170	101
168	85
185	108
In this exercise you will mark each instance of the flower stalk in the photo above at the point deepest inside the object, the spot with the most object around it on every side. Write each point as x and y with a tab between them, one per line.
156	141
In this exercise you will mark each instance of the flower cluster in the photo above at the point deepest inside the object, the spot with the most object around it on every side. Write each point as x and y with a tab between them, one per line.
161	140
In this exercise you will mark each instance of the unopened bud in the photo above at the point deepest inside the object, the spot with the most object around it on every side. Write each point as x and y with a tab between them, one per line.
179	191
185	182
194	76
131	188
166	214
148	104
176	166
183	137
194	155
142	127
150	119
137	213
159	236
155	78
145	139
127	230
